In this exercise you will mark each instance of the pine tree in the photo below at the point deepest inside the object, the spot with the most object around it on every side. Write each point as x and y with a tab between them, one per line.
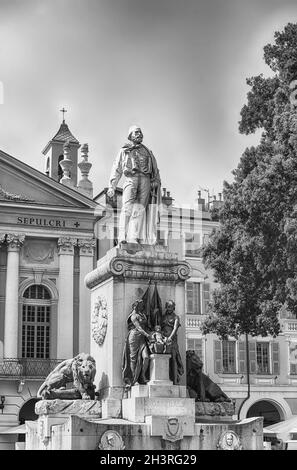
253	254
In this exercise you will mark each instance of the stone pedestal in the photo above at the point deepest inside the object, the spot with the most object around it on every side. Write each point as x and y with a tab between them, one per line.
53	413
80	432
155	416
121	277
159	370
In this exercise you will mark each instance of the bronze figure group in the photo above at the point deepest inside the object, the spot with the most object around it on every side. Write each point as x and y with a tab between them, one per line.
145	339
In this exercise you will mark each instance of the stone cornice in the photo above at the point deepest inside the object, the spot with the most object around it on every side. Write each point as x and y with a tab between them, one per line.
42	180
156	264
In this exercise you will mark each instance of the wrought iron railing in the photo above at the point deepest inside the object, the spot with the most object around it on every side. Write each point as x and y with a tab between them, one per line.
25	367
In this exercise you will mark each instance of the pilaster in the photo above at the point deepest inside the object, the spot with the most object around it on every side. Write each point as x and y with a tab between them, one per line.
65	306
14	242
86	260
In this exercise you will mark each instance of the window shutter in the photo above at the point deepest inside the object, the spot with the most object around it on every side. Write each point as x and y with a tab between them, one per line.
198	347
218	366
275	357
197	299
190	344
190	306
205	297
253	356
242	357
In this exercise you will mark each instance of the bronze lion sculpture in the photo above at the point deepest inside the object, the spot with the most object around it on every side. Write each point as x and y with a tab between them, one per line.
199	385
80	371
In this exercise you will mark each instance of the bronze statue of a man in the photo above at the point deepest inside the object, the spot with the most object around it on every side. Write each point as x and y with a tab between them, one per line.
141	190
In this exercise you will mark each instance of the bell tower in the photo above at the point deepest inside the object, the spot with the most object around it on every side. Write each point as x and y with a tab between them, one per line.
54	153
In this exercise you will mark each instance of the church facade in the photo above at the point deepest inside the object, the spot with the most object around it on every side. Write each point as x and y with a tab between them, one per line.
47	246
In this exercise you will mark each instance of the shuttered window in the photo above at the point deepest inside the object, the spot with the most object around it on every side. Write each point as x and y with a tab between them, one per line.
193	244
293	358
218	362
261	356
193	298
275	358
229	357
242	357
263	362
205	297
225	357
196	344
253	357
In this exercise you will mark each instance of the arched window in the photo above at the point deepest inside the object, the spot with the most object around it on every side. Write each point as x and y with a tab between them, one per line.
36	322
266	409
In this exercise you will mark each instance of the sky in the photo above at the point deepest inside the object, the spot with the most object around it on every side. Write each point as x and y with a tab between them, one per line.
176	68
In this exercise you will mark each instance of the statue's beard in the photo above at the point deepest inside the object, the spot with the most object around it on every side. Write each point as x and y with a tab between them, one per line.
137	140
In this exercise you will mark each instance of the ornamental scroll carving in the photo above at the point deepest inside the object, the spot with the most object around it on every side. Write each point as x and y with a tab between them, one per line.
121	267
14	197
39	251
99	320
154	265
15	240
66	244
86	246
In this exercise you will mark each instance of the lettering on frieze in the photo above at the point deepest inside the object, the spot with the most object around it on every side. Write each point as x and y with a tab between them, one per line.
42	222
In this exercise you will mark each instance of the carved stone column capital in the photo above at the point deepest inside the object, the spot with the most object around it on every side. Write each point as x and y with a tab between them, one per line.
66	245
14	241
86	246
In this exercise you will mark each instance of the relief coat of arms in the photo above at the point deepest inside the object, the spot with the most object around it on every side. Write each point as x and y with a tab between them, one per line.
99	320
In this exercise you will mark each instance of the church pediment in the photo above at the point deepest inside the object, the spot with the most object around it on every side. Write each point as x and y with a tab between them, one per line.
22	183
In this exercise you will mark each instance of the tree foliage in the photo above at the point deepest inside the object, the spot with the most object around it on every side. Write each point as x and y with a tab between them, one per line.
254	252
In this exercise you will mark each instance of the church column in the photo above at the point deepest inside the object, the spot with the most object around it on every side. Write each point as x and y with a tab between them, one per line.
86	260
65	305
14	243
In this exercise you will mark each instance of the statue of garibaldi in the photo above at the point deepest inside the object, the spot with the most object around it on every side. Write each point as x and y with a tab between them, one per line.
141	190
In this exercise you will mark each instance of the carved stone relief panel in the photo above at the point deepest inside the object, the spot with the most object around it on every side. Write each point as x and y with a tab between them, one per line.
39	251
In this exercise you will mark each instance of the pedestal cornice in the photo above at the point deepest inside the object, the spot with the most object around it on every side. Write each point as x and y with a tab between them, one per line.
145	262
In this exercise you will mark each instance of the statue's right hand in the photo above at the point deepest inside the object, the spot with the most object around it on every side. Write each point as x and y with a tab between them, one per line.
110	192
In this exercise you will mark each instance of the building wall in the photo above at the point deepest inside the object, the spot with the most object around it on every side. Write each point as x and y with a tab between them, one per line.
278	385
40	263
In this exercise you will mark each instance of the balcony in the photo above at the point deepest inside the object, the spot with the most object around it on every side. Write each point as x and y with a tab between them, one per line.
194	321
288	325
28	368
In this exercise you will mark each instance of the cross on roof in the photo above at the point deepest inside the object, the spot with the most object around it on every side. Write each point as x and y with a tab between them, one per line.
63	110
